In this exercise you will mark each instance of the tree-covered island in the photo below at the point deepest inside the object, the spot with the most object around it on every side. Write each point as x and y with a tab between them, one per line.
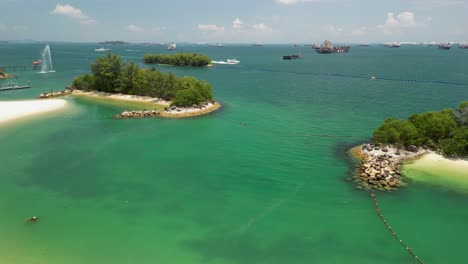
112	75
445	131
178	59
396	142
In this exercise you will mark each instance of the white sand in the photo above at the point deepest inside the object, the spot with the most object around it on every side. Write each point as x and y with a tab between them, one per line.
125	97
19	109
434	169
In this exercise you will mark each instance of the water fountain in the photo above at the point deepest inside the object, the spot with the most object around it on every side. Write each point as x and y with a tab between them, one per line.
46	63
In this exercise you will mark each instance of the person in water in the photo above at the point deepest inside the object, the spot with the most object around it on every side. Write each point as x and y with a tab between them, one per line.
32	219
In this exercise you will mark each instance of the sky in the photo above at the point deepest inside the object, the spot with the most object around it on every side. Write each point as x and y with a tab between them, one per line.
235	21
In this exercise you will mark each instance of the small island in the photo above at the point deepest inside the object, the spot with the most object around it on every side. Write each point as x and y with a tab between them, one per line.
396	142
3	75
112	78
178	59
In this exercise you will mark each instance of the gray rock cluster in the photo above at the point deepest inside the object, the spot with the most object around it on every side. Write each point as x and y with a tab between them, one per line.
139	114
381	172
67	91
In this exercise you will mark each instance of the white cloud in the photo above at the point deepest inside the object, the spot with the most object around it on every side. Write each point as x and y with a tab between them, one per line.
262	27
133	28
72	12
210	27
237	23
402	21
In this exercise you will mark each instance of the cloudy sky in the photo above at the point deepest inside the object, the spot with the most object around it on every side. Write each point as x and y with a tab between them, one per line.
243	21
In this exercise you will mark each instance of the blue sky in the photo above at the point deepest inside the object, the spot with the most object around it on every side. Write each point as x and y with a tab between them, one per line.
243	21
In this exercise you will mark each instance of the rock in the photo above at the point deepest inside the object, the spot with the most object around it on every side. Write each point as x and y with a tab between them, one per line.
412	148
385	149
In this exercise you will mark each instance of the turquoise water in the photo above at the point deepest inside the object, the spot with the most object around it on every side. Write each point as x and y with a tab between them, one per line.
261	181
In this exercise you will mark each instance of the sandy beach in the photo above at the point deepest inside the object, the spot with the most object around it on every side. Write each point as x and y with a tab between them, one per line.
124	97
18	109
437	170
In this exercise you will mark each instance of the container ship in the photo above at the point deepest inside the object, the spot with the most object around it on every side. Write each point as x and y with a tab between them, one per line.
328	48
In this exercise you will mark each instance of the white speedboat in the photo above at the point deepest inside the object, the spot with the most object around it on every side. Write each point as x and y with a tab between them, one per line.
229	61
232	61
173	46
102	49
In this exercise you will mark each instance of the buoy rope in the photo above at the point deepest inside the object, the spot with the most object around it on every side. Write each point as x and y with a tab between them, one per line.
379	214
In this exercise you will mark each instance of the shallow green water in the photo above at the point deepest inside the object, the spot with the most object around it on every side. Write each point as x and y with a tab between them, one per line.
261	181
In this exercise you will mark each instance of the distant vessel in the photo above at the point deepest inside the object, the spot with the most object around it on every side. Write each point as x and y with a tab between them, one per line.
229	61
328	48
364	45
220	45
37	63
292	57
232	61
257	45
392	44
172	46
445	46
463	45
316	46
102	49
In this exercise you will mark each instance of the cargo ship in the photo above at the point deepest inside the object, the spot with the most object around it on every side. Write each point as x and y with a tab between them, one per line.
329	48
392	44
445	46
463	45
292	57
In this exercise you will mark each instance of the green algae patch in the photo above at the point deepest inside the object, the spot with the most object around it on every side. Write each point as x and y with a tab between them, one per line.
436	170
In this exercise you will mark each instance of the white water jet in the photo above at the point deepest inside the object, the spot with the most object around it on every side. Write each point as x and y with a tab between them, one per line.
46	63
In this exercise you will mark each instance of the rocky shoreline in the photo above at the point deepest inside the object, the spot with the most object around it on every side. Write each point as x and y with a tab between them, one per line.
173	111
67	91
6	76
380	166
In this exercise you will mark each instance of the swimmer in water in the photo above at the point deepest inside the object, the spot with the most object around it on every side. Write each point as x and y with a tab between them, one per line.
32	219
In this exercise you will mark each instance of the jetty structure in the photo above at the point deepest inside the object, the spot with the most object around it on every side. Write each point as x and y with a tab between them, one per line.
328	48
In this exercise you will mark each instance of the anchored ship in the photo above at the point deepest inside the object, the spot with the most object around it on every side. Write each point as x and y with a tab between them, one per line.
173	46
329	48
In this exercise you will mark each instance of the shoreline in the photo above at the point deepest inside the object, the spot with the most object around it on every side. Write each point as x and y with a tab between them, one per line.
124	97
173	112
154	104
381	166
6	76
14	110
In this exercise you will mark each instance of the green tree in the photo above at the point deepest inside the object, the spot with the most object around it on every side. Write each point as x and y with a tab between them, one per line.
129	72
434	126
457	145
84	82
107	72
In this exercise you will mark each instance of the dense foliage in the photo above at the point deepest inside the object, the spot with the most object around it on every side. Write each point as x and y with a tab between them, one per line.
178	59
446	130
111	74
2	73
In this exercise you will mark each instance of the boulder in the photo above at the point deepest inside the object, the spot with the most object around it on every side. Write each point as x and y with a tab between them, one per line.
412	148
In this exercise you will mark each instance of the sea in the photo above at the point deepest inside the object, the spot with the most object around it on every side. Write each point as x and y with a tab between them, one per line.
266	179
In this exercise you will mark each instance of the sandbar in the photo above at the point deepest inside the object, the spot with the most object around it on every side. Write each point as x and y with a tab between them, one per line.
435	169
12	110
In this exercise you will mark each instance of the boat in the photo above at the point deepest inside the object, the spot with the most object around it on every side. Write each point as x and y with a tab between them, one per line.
232	61
37	63
328	48
316	46
102	49
229	61
364	45
463	45
257	45
445	46
172	46
292	57
220	45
